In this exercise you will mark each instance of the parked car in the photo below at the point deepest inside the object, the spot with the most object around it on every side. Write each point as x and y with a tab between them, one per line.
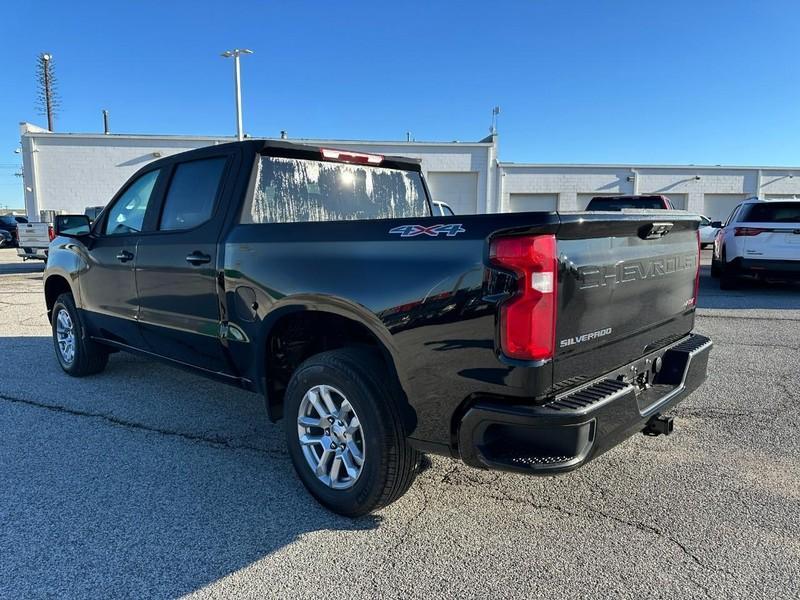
10	223
34	240
6	239
760	239
708	231
633	202
289	270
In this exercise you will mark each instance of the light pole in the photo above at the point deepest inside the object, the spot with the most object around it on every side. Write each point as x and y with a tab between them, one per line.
235	53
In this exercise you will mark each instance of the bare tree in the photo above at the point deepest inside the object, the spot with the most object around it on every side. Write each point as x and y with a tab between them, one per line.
47	99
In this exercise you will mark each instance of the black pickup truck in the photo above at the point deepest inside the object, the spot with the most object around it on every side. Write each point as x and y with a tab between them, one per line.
318	278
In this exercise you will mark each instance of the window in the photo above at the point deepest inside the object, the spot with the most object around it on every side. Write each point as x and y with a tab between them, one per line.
292	190
772	212
620	203
127	214
443	209
732	216
191	195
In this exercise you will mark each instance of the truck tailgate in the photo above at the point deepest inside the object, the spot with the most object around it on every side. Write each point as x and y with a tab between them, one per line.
627	286
34	235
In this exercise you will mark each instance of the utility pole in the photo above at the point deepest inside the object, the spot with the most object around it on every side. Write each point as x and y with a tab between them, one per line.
235	54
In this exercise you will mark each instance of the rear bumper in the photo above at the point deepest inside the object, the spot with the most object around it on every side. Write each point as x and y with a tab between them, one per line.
767	268
571	430
28	252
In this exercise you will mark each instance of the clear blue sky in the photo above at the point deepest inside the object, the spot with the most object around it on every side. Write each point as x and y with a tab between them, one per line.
714	82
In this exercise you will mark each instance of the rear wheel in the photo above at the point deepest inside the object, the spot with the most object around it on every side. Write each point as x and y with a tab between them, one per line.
728	277
76	353
345	434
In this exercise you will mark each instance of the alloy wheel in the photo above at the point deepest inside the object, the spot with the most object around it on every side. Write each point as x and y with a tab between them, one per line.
331	437
65	336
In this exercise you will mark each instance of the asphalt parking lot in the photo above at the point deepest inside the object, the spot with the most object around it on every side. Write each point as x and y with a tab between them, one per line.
147	481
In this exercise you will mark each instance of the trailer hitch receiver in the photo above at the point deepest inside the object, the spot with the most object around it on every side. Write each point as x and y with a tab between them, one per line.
659	425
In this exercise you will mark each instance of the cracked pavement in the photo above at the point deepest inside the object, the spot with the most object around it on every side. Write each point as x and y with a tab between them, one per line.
148	481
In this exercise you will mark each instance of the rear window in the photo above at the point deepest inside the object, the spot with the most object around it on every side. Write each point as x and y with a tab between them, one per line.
771	212
620	203
290	190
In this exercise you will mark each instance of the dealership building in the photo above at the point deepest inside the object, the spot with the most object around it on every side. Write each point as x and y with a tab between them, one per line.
67	172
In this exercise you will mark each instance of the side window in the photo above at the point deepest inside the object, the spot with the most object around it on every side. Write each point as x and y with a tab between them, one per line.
127	214
190	198
732	216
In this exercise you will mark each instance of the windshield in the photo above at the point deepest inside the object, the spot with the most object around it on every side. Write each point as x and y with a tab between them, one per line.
290	190
772	212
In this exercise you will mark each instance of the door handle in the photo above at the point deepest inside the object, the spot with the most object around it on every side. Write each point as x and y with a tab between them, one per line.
198	258
124	256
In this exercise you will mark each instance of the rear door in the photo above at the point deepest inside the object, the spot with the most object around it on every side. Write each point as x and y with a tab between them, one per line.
626	287
176	264
770	230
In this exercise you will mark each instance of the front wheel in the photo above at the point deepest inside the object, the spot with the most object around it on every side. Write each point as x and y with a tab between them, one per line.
345	433
77	354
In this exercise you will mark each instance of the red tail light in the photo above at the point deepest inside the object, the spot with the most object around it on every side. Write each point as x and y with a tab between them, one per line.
748	231
693	301
51	233
351	157
528	319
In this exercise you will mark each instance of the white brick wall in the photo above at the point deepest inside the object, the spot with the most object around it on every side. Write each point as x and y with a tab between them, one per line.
69	172
565	181
570	181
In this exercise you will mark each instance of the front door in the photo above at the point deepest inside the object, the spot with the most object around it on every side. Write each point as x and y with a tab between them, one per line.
108	285
176	266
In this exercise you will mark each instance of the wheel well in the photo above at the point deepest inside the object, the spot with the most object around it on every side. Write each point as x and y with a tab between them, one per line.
53	288
300	335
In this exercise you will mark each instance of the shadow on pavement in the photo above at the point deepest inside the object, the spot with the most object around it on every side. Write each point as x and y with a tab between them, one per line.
140	481
20	268
752	294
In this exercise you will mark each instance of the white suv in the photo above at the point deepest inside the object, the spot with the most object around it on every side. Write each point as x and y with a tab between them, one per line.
761	238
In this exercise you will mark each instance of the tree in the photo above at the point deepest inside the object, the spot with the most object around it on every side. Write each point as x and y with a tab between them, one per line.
47	99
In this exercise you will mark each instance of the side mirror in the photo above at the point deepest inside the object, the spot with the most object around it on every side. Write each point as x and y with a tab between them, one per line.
72	225
716	224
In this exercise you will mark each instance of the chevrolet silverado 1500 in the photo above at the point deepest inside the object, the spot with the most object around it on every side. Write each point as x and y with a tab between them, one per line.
318	278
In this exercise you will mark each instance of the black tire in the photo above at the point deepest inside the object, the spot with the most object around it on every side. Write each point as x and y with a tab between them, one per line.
89	357
715	269
728	278
389	462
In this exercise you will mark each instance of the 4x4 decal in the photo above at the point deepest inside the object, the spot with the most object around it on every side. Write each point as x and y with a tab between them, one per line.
450	230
